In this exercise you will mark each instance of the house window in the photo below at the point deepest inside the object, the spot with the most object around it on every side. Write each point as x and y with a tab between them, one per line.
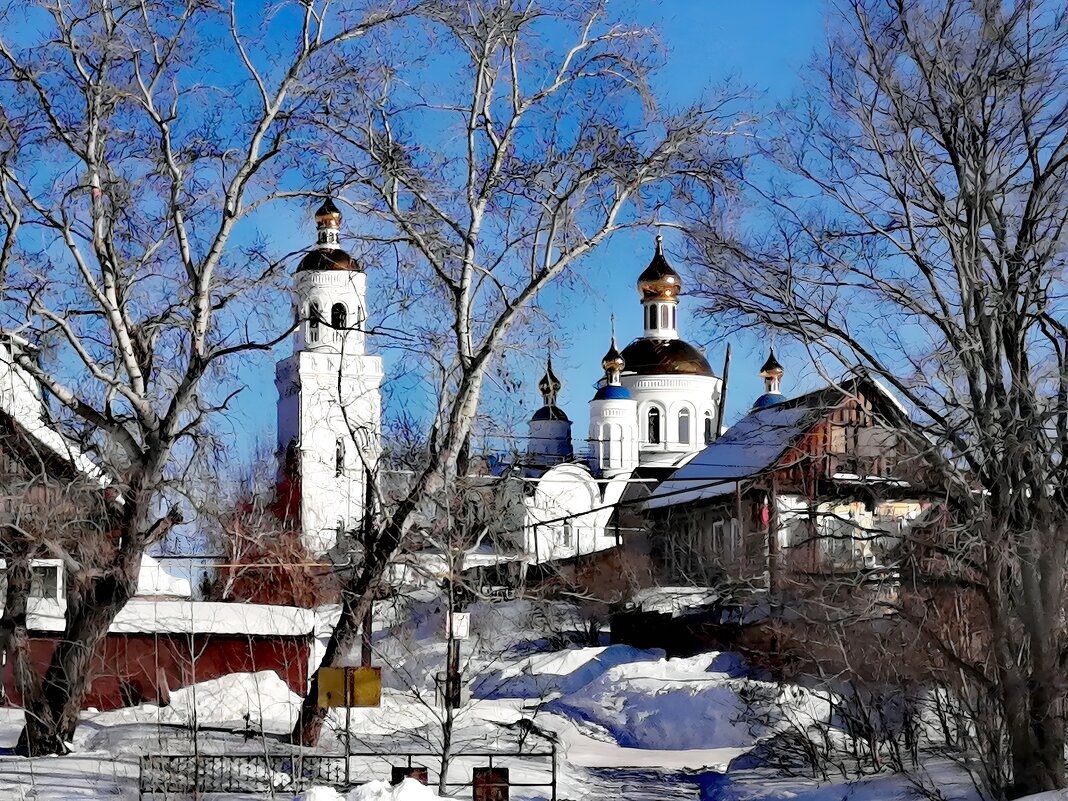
708	427
684	426
339	457
313	323
567	533
44	582
338	316
654	426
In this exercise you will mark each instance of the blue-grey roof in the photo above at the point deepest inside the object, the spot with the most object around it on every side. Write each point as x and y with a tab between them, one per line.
748	448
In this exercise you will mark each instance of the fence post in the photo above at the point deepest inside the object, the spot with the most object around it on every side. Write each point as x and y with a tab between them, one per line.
552	751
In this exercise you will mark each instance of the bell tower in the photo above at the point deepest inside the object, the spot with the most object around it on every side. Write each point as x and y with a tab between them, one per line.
329	398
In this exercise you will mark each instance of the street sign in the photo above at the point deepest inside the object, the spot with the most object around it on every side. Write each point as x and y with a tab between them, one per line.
458	625
350	686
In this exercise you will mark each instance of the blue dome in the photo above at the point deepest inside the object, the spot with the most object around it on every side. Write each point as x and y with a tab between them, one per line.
767	399
610	392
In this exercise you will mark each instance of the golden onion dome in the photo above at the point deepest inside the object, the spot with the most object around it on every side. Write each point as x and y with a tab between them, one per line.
771	368
659	281
613	361
327	255
549	386
328	214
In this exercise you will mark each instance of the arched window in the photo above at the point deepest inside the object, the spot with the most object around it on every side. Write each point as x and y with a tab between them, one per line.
708	427
567	533
338	316
664	317
652	317
684	426
339	457
313	323
654	426
674	324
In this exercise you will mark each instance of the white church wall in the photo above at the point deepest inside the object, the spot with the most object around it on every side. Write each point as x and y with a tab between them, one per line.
566	516
670	395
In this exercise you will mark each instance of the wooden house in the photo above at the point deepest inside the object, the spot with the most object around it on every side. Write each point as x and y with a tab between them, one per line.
824	484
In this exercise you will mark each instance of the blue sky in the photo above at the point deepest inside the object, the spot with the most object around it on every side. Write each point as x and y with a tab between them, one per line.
762	46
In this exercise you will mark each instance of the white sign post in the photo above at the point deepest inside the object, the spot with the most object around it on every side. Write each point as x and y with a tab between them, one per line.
458	625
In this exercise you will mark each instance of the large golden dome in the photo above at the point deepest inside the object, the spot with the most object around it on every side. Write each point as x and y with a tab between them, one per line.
328	259
665	357
659	281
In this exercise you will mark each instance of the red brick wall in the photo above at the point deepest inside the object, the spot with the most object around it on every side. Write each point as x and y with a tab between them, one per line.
145	667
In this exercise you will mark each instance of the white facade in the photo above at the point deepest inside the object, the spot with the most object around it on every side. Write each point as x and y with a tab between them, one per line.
613	435
568	514
329	400
682	407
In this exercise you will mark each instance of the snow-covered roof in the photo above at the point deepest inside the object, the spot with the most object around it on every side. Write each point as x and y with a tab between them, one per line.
153	579
20	400
749	447
144	616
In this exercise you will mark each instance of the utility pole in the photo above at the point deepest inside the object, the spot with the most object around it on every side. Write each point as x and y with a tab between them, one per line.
723	393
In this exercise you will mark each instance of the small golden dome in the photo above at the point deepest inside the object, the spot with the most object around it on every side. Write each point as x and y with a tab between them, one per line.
771	368
549	384
613	360
659	281
328	214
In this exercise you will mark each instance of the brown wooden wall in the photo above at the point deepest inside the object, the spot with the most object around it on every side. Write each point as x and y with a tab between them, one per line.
135	668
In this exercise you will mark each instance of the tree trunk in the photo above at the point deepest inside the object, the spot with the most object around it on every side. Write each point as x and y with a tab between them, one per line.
51	722
355	606
14	636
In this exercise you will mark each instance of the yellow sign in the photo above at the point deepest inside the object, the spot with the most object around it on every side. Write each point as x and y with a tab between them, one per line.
350	686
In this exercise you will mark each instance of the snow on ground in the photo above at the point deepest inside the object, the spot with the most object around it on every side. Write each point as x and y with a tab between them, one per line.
407	790
629	723
559	673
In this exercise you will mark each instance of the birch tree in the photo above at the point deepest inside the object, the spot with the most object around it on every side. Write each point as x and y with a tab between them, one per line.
147	138
915	228
534	143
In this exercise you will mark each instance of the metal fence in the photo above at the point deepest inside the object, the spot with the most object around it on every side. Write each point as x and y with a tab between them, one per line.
283	774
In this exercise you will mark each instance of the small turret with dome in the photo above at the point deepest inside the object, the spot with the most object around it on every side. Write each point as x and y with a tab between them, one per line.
327	253
772	373
613	418
549	440
613	365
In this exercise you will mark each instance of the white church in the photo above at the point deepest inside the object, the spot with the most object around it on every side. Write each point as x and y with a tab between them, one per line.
655	409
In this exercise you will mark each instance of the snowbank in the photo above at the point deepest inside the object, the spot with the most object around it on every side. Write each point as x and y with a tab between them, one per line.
683	704
560	673
407	790
259	699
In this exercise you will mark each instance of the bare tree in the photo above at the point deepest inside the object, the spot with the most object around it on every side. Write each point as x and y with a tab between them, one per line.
493	183
137	161
917	228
